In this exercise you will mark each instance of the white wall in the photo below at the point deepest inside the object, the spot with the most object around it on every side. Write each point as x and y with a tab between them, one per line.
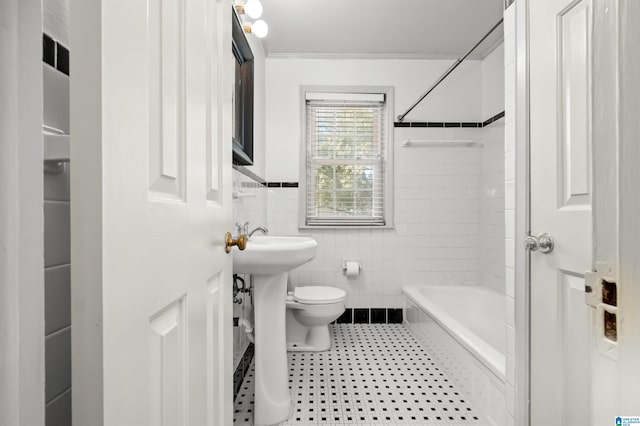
493	82
492	198
459	98
55	20
439	198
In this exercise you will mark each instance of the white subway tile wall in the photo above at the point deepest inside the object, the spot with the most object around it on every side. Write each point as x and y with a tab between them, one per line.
249	205
510	203
492	218
449	223
57	261
58	298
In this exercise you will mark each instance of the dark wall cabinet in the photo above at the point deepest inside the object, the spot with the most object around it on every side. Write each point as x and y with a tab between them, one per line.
242	97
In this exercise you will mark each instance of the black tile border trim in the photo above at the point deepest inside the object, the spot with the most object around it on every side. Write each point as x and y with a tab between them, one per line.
241	370
55	54
262	182
496	117
251	185
62	62
361	316
48	50
449	124
371	316
282	184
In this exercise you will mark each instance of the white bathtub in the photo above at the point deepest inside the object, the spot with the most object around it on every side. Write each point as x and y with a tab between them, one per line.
463	329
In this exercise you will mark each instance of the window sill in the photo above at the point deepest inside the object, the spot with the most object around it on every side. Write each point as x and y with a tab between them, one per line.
349	227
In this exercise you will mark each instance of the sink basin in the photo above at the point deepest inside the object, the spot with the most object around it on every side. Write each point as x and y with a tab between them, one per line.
269	259
267	255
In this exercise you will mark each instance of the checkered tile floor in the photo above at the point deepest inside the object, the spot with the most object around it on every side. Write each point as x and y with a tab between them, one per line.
373	374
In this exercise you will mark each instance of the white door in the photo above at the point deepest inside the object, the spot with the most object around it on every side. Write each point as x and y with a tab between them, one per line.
22	372
561	194
151	201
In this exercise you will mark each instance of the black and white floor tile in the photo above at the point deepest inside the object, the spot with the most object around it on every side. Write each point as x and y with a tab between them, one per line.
373	374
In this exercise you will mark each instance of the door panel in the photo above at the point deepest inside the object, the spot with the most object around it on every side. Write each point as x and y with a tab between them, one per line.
574	115
167	365
560	161
166	49
574	329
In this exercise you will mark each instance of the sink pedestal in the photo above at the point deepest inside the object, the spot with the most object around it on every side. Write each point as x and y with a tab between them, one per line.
269	259
272	399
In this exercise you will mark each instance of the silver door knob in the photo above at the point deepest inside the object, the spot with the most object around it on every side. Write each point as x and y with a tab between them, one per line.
542	242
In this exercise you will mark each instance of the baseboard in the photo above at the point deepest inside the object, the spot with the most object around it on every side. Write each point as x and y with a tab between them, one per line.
371	316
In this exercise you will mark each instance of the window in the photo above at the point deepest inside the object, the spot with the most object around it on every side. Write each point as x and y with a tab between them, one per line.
347	162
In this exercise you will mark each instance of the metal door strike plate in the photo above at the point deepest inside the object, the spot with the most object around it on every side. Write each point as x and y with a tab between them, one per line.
593	282
601	293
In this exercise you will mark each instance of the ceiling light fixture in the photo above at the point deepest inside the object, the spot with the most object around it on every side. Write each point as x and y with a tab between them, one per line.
253	8
259	28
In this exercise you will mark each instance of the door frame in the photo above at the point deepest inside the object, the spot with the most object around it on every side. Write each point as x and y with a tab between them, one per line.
521	391
22	369
628	177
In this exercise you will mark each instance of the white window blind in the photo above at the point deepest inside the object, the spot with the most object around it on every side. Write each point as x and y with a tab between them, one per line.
345	161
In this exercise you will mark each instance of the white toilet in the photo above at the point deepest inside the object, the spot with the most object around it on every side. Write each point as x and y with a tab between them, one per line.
309	312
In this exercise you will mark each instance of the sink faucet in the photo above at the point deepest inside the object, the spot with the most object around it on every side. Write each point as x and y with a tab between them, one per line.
262	229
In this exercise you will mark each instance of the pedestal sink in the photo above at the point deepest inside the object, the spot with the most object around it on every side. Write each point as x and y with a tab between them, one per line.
269	259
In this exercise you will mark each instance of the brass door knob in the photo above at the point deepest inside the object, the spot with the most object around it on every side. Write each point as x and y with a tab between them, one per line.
241	242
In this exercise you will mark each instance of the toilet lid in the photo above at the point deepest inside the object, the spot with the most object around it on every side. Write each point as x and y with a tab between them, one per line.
318	294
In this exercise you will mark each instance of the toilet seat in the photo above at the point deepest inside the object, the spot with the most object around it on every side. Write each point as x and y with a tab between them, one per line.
318	295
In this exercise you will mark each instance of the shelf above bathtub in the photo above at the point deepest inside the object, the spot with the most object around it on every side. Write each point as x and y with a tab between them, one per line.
56	152
457	143
56	147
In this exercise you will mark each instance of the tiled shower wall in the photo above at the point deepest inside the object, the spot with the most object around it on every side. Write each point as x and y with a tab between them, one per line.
492	208
56	220
510	205
492	199
57	261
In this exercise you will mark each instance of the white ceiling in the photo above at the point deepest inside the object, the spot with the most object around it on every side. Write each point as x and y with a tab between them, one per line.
380	28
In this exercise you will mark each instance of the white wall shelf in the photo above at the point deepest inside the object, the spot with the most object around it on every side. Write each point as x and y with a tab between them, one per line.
415	143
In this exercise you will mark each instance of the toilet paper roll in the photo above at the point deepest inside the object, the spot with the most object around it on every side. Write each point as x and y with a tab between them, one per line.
351	268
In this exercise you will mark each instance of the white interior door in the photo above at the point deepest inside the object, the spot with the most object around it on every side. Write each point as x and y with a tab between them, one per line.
22	372
151	201
561	197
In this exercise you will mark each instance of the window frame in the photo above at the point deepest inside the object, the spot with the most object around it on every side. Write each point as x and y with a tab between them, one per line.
388	144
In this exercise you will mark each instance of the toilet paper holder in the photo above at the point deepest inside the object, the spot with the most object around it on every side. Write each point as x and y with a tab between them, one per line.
350	263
